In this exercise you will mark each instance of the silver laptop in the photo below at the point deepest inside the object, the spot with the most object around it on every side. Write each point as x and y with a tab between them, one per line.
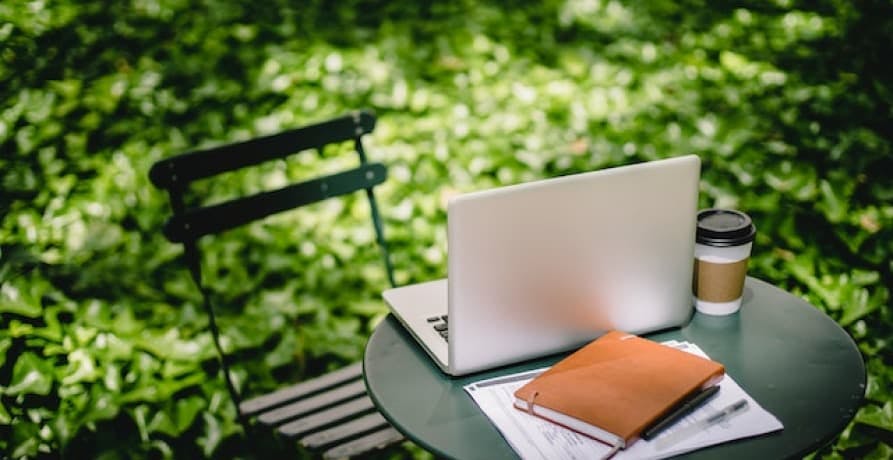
547	266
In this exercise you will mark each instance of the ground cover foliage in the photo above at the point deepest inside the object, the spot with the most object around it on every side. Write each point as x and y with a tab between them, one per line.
104	349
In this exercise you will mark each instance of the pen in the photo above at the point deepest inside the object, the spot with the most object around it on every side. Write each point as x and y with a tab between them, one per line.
681	410
726	413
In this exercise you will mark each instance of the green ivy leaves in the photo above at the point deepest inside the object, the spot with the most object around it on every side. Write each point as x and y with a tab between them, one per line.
100	324
30	375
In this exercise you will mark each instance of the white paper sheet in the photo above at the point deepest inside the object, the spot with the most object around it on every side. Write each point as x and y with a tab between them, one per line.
534	438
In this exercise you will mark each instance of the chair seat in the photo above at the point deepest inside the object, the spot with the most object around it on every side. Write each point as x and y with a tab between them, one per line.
330	413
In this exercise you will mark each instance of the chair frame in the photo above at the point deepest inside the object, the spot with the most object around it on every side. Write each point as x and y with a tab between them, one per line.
188	224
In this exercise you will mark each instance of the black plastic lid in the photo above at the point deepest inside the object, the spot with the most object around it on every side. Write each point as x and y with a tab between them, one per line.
724	227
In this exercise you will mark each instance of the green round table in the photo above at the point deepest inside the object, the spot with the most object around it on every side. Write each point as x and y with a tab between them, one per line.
793	359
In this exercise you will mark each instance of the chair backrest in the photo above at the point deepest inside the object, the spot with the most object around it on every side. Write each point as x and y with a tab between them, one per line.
188	224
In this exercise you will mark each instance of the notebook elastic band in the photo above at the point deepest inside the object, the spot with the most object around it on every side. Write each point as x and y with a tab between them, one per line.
530	401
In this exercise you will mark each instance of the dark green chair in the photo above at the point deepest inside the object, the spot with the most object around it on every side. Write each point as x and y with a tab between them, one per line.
330	414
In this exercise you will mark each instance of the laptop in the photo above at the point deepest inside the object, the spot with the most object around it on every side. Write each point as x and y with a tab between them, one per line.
547	266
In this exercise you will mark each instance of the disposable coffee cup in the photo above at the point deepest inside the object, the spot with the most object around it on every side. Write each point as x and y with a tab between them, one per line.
722	249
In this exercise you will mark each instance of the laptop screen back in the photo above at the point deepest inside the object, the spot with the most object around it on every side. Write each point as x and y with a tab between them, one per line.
546	266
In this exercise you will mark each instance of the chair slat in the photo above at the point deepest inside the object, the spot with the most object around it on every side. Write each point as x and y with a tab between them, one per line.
180	170
359	446
301	390
198	222
344	431
312	404
322	419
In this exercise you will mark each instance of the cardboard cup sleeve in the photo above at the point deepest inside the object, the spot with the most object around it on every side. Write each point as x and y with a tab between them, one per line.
719	282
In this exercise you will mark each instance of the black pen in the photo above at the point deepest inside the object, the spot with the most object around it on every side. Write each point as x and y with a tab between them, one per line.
681	410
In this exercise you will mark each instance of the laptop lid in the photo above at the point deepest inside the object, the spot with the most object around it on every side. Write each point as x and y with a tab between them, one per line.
547	266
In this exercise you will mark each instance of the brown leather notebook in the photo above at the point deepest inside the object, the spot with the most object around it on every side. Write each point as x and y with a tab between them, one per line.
616	386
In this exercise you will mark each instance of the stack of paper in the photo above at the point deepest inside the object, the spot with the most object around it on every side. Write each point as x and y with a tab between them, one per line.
532	437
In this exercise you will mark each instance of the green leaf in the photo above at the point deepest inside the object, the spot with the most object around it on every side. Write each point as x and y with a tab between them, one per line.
212	436
150	390
139	414
30	375
126	324
251	331
170	346
112	347
833	204
880	378
5	418
81	368
5	344
861	304
20	302
881	452
367	307
64	430
217	426
877	416
162	422
163	447
186	411
95	313
285	351
178	417
25	439
174	369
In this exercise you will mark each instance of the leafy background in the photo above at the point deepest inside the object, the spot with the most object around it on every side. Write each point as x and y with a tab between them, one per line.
104	350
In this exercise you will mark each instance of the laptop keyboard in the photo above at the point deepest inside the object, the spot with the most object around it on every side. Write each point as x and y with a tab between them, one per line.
441	325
